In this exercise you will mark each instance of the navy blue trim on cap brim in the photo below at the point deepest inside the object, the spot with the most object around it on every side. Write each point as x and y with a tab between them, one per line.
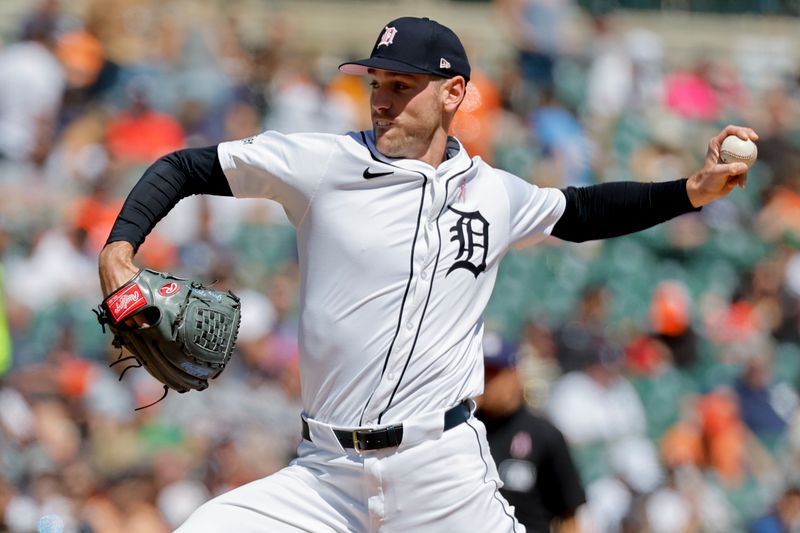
360	67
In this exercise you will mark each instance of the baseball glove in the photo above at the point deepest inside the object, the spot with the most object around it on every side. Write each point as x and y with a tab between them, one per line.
184	333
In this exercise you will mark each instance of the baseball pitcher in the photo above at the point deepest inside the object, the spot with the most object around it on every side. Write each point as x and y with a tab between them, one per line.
400	233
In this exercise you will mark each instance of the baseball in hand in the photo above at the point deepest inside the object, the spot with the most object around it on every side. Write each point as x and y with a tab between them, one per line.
736	150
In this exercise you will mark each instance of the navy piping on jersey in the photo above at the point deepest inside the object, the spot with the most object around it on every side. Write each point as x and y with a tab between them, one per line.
486	481
430	290
410	276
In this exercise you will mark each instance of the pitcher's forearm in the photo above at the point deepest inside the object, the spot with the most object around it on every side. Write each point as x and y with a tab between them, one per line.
115	266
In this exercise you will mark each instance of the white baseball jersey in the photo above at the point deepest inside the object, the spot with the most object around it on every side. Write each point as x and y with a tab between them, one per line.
398	260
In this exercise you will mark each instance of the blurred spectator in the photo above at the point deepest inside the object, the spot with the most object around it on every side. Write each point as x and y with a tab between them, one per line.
581	337
596	403
82	56
690	94
609	86
766	402
303	102
142	134
177	500
539	477
785	515
682	445
540	30
724	435
563	141
671	322
779	147
45	17
615	500
646	49
56	269
30	95
780	216
687	503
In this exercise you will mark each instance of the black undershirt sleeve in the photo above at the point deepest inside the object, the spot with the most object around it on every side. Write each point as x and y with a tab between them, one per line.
167	181
619	208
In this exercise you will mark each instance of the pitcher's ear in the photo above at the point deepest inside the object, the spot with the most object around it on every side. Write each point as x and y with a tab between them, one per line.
455	89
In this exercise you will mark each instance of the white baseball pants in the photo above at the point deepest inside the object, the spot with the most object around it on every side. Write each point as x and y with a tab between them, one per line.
434	481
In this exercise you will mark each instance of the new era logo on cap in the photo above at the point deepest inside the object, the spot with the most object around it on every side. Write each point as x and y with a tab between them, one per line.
415	46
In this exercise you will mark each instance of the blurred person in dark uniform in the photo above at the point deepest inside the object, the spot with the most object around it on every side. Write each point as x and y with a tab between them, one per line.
533	460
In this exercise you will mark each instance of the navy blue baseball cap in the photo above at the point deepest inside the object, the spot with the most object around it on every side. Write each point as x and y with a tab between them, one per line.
415	46
499	352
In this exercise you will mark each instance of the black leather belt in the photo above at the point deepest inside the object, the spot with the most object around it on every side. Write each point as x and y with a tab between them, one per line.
390	436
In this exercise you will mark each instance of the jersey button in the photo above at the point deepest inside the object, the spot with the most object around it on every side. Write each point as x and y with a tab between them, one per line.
390	376
424	275
409	325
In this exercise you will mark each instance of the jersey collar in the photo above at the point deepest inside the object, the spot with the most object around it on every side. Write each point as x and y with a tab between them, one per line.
457	158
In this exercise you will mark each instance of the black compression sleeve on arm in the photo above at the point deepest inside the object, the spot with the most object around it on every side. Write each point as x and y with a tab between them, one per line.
167	181
618	208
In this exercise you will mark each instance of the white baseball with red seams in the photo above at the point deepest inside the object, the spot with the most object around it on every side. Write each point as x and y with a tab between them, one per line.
736	150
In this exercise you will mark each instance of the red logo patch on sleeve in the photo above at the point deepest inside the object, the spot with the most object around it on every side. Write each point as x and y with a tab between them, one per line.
125	302
168	289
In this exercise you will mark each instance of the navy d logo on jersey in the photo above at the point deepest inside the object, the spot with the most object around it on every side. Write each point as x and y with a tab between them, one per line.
471	231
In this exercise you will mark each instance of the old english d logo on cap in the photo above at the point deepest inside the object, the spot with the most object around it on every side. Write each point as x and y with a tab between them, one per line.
387	37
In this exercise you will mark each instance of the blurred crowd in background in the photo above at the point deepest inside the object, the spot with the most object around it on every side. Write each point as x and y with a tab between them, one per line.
669	359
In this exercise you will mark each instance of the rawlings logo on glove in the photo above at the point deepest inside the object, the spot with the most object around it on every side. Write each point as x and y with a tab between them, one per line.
187	331
125	301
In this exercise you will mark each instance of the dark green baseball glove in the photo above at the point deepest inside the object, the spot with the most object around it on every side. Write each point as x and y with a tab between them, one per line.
182	332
